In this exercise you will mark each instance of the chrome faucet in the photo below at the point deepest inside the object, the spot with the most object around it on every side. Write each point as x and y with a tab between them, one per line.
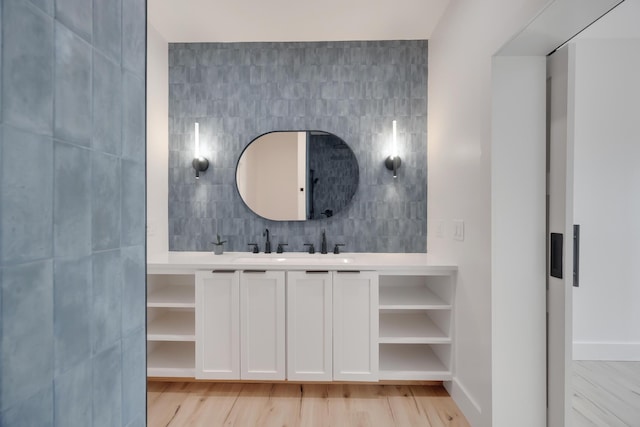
323	246
267	243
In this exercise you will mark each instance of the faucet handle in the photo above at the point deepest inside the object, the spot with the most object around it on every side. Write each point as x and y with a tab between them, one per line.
336	249
280	248
312	249
255	247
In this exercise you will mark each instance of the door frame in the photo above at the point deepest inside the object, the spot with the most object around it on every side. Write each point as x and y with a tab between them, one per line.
524	53
560	222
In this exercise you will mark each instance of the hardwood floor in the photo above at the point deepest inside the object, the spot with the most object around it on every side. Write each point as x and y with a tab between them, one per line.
606	394
237	404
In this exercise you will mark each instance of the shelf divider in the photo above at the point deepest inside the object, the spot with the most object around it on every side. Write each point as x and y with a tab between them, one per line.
410	328
410	298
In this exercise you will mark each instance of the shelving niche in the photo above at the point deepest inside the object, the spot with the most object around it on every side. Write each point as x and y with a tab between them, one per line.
170	325
415	330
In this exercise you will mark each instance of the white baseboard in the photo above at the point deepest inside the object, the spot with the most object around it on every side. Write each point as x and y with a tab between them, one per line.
622	351
469	407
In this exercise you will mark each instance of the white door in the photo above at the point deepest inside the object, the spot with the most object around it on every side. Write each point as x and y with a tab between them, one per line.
262	337
355	326
309	326
560	219
217	325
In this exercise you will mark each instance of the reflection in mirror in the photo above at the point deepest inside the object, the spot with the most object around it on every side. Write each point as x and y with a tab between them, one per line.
297	176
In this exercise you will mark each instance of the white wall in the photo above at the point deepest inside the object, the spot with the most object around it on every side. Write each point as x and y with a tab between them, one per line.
607	199
518	241
459	177
157	143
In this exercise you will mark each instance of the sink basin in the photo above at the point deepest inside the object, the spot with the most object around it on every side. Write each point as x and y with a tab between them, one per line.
310	260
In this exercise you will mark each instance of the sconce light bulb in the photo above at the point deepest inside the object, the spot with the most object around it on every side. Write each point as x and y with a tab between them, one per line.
395	143
393	162
197	141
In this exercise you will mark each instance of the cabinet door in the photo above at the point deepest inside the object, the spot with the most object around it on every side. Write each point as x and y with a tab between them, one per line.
262	304
309	335
355	326
217	325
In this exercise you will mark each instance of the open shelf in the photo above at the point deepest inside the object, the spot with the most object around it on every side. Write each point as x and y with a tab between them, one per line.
172	326
178	296
171	359
411	298
410	328
411	362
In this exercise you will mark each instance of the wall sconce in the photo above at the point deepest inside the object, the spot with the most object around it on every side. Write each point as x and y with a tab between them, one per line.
393	162
200	164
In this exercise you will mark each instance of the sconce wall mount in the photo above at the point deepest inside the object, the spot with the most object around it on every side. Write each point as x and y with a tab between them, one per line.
393	163
200	164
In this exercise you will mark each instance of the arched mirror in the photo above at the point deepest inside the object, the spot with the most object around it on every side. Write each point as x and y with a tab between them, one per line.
297	176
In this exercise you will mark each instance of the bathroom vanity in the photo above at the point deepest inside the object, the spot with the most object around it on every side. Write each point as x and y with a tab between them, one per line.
300	317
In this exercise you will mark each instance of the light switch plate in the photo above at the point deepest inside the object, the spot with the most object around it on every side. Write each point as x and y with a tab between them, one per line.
458	229
440	229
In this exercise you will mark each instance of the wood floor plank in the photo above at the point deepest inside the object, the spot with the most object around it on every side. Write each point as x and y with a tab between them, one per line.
314	404
209	404
305	405
405	409
249	408
439	407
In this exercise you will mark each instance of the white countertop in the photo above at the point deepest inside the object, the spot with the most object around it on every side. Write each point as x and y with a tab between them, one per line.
187	262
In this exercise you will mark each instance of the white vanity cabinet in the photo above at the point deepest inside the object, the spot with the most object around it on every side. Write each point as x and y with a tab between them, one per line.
355	326
309	325
262	325
217	325
239	317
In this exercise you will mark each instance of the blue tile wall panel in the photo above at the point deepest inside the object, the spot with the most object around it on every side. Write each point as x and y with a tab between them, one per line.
72	201
77	15
107	104
133	385
107	387
107	28
72	106
105	207
133	271
27	62
37	410
27	331
72	349
106	299
72	312
27	196
72	401
237	91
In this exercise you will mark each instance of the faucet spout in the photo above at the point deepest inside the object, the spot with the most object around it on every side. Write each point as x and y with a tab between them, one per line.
323	246
267	243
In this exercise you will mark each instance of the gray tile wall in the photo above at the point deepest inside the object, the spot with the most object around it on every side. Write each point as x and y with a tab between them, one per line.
238	91
72	248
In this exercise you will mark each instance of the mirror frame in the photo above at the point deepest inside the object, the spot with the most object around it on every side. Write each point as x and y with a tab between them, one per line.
235	179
